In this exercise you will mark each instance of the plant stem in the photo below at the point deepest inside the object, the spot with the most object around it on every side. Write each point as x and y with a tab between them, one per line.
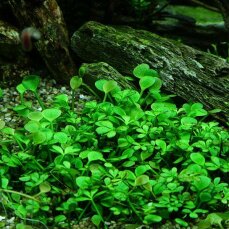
73	99
84	210
105	97
39	100
89	89
19	193
97	210
134	210
19	143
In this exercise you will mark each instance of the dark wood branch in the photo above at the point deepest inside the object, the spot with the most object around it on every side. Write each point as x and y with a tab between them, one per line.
46	16
186	72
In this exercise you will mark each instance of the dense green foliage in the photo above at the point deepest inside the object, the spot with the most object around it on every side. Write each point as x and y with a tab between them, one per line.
134	157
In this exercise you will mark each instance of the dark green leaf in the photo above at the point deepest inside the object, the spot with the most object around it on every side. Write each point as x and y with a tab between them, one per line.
96	219
45	187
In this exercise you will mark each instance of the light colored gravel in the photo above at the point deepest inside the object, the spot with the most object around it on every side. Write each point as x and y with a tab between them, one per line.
48	89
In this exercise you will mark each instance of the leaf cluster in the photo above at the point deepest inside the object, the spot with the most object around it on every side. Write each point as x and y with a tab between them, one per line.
134	156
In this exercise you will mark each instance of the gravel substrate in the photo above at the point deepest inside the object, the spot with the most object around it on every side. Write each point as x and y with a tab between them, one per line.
48	89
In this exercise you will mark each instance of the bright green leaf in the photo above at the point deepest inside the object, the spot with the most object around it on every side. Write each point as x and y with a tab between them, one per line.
35	116
141	180
181	222
146	82
32	126
83	182
94	155
31	82
51	114
60	218
198	158
151	218
109	86
75	82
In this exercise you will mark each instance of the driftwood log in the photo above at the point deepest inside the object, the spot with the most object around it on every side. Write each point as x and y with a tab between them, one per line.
46	16
13	61
102	70
186	72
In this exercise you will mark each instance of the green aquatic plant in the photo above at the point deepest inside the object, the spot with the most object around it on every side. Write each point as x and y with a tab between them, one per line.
132	156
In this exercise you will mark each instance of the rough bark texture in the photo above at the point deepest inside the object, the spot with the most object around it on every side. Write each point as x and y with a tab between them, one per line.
13	62
53	46
186	72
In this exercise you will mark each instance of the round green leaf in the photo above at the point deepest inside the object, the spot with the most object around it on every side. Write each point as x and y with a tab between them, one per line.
31	82
202	182
51	114
157	85
32	126
216	160
141	169
99	84
75	82
140	70
94	155
198	158
35	116
146	82
57	149
109	86
181	222
67	164
8	130
205	196
128	163
39	137
83	182
188	121
96	219
82	71
21	89
144	70
141	180
4	182
151	218
60	218
44	187
61	137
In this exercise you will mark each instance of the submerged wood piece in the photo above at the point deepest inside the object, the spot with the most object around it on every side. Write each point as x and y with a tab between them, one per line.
13	63
9	42
186	72
97	71
46	16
